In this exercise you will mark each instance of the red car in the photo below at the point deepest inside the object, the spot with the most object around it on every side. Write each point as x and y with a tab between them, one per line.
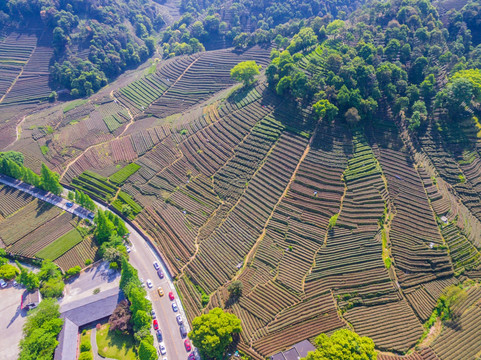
156	324
171	296
187	345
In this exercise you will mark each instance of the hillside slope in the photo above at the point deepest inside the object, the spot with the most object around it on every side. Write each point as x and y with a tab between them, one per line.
341	189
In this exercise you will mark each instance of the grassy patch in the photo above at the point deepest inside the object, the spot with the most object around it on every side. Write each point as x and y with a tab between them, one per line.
73	104
60	246
44	149
114	346
123	174
85	339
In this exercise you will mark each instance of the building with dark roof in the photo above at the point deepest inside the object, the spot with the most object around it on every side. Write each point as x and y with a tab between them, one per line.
30	299
80	313
297	351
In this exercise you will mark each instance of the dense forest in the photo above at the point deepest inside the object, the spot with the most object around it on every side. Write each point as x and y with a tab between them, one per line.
94	41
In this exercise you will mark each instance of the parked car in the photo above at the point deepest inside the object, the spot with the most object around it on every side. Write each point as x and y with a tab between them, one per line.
156	265
187	345
129	249
69	204
91	216
174	307
179	319
156	324
3	284
191	356
171	296
159	335
153	314
160	273
162	349
142	282
183	331
149	284
160	291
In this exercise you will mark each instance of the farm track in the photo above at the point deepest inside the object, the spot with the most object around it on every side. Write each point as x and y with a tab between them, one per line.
121	134
222	202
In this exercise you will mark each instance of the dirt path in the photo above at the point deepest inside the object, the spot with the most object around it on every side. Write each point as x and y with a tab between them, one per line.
126	128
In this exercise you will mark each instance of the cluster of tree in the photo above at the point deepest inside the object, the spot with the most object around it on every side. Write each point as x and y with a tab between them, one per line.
104	28
451	296
213	332
462	94
40	331
245	72
82	199
48	279
7	271
349	73
140	308
107	225
342	345
48	180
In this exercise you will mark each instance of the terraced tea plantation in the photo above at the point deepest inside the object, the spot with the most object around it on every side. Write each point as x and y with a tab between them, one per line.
327	223
34	229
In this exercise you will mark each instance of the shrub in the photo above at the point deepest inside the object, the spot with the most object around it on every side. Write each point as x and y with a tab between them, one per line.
85	346
86	356
88	262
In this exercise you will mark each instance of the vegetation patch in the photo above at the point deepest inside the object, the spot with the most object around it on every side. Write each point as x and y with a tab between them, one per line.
60	246
113	345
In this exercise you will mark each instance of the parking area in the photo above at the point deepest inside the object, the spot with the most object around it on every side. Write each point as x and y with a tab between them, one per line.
12	320
99	276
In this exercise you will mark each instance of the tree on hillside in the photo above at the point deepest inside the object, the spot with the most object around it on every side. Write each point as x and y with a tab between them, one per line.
325	109
245	72
212	333
343	345
49	180
352	116
235	288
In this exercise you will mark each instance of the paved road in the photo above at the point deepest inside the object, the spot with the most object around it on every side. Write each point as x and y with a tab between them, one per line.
46	196
142	257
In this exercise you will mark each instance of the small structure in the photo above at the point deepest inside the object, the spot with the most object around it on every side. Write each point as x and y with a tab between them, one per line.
80	313
444	219
297	351
30	300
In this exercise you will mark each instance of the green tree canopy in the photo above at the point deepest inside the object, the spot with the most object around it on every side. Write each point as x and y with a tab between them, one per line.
8	272
40	332
147	351
343	345
245	72
12	155
212	333
49	181
325	109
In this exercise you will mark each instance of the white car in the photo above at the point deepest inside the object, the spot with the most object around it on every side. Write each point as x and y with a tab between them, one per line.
162	349
156	265
3	284
129	249
149	283
142	282
179	319
174	307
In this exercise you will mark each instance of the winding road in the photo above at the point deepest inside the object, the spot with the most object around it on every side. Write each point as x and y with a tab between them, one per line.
142	256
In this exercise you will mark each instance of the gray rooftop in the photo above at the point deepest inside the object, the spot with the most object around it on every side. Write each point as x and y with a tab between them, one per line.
80	313
297	351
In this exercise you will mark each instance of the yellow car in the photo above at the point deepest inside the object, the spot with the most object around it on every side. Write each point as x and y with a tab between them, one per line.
160	291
